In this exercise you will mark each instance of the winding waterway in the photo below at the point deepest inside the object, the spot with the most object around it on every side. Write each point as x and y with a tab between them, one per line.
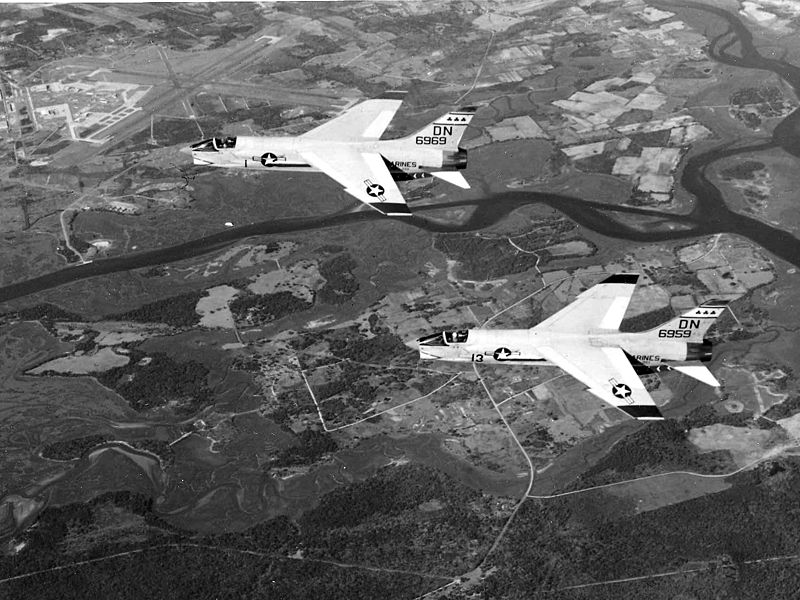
710	214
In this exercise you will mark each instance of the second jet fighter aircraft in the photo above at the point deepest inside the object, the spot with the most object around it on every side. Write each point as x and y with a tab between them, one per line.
348	149
584	340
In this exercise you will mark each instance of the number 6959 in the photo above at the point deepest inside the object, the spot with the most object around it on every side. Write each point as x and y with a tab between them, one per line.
674	333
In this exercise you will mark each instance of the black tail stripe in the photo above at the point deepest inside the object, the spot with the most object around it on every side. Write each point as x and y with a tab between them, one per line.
639	411
391	207
624	278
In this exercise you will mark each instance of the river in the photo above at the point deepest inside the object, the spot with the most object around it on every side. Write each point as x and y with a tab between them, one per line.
710	214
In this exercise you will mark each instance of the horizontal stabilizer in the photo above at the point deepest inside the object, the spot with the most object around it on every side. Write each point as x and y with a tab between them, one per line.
699	372
454	177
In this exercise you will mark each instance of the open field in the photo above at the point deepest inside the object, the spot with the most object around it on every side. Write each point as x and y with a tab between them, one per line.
664	490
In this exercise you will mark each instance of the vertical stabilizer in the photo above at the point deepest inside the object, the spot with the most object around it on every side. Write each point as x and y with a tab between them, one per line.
445	132
692	325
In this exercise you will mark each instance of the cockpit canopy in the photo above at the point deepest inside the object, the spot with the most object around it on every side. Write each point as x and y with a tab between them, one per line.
204	146
456	337
214	145
445	338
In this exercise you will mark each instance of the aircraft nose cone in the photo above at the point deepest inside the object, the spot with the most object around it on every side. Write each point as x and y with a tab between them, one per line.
186	150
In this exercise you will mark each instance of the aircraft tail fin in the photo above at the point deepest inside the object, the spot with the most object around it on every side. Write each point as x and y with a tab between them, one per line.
693	324
445	132
454	177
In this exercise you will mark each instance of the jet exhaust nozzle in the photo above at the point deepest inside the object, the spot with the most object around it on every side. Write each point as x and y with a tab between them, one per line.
699	351
454	161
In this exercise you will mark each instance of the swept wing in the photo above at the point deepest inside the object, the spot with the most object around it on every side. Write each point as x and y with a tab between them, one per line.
608	374
363	122
365	176
600	307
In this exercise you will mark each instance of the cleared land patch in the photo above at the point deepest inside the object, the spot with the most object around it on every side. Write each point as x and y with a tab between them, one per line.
744	444
214	309
102	360
655	492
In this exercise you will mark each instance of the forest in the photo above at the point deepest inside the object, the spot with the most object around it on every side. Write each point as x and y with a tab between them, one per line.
348	343
785	409
355	385
596	537
313	445
408	517
47	314
484	258
340	283
156	379
72	448
743	170
662	446
258	309
177	311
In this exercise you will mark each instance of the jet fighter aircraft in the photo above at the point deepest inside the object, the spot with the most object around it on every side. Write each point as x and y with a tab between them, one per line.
348	149
584	340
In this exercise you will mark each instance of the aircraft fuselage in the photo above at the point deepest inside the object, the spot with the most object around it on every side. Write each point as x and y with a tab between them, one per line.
518	346
284	154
